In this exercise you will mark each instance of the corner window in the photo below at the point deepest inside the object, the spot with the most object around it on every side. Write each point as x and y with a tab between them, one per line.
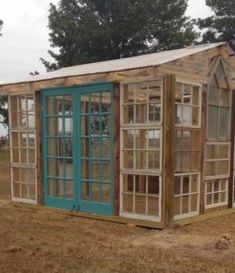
23	146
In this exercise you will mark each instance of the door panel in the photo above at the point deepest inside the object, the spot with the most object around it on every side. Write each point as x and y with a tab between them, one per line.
58	151
77	148
96	154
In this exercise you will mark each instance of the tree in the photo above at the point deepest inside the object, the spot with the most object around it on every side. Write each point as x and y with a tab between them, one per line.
3	99
1	24
94	30
3	110
220	26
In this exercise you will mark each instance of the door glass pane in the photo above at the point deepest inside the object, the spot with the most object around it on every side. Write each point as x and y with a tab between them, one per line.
106	102
60	146
58	105
95	124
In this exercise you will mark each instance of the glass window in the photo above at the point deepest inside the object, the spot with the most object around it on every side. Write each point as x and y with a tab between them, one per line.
218	107
187	105
23	144
186	195
141	134
187	151
142	102
216	193
217	159
141	194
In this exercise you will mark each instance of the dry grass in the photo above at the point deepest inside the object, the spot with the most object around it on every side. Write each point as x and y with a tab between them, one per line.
43	241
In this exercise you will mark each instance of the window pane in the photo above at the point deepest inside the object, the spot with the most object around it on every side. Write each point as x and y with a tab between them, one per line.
141	113
141	139
178	92
128	183
214	92
128	114
224	97
154	139
223	123
212	124
153	185
187	94
141	91
195	116
196	90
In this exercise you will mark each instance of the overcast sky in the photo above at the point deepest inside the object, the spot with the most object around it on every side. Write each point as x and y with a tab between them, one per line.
25	35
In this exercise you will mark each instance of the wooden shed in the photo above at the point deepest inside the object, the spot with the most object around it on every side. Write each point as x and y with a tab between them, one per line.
147	139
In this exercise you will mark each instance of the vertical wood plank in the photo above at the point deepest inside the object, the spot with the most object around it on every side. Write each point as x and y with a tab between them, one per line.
232	126
116	94
169	157
38	147
202	147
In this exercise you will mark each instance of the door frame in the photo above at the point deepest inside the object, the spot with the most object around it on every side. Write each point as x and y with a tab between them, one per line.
76	203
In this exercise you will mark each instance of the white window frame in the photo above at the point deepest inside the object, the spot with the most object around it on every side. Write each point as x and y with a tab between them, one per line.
194	213
147	172
189	128
219	204
137	215
20	164
224	176
184	82
230	111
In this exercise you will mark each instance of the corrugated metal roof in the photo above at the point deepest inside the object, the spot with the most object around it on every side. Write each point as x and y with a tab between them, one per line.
142	61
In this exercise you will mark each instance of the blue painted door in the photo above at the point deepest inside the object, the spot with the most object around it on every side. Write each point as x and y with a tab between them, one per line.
78	148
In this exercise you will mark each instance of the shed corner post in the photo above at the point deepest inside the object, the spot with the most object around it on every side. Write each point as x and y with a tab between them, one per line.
116	96
38	147
231	193
203	146
168	149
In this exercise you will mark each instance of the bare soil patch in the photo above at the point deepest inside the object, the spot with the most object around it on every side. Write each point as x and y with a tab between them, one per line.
44	241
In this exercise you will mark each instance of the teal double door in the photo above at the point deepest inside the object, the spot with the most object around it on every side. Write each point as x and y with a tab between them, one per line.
77	151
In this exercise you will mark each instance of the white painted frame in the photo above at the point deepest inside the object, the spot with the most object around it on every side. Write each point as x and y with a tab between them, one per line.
184	82
220	60
194	213
137	172
22	165
219	204
224	176
183	127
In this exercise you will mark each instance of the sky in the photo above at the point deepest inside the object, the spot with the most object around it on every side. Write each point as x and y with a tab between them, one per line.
25	35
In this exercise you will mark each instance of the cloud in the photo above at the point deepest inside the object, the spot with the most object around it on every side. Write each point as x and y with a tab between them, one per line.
25	35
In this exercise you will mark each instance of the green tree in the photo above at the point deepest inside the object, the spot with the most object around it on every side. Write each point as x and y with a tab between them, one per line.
3	110
94	30
1	24
220	26
3	99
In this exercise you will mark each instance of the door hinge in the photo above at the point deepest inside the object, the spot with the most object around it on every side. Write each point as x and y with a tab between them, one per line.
73	208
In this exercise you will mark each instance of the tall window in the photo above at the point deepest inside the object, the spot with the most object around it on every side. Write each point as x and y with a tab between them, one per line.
187	150
23	158
141	136
218	107
217	153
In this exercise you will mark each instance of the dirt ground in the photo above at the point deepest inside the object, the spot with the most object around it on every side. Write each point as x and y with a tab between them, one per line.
44	241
